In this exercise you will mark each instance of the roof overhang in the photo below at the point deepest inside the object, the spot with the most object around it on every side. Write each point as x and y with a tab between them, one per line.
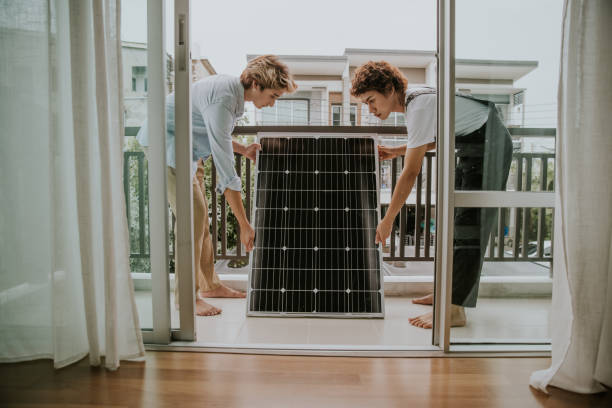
132	44
311	64
493	69
399	58
464	69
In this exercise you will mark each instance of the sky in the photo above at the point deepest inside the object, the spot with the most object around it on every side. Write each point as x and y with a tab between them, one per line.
226	31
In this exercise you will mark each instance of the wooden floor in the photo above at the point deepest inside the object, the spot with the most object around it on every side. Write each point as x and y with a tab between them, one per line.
179	380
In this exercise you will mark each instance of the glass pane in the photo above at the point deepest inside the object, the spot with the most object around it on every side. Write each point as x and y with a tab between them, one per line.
502	284
268	115
284	112
134	54
336	115
367	119
134	59
300	112
505	112
505	126
390	121
170	177
401	119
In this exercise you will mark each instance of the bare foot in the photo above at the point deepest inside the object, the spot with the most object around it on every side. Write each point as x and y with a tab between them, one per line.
425	300
426	320
223	292
204	309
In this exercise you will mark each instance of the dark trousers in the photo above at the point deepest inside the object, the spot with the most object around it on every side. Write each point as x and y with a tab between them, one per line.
473	226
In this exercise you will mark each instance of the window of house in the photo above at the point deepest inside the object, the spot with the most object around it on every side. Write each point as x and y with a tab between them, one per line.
287	112
395	119
139	79
518	98
353	114
337	114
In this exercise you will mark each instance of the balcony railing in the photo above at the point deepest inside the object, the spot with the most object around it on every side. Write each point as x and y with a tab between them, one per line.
526	233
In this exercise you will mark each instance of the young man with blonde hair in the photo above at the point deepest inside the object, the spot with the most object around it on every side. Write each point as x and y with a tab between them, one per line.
484	153
217	103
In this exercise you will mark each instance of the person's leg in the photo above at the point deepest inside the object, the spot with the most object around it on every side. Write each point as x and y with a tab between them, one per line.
171	193
467	259
202	308
467	256
473	226
206	278
425	320
424	300
209	284
200	231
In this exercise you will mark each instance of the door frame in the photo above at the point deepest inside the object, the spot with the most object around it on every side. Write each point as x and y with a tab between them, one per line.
158	207
449	199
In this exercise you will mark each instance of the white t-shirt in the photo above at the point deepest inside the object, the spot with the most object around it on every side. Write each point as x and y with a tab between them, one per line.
421	123
421	118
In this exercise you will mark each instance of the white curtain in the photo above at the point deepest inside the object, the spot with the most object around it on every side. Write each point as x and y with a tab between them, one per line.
582	283
65	284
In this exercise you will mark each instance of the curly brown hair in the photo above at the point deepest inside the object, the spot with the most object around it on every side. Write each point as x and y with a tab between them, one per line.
379	76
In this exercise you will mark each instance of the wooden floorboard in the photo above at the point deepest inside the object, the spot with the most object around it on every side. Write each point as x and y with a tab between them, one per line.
180	380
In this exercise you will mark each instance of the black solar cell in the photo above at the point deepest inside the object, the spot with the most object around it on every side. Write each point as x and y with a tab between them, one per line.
316	212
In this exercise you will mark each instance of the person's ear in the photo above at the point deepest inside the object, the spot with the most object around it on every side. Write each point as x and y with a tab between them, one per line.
387	90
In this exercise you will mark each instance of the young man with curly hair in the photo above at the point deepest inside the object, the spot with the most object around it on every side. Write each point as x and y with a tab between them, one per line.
483	151
217	103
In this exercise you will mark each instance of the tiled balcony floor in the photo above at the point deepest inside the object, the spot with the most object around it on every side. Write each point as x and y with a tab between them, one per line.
510	319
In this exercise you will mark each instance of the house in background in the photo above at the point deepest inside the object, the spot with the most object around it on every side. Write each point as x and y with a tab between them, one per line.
323	96
135	81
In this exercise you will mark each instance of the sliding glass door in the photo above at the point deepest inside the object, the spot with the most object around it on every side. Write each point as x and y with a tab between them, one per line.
156	62
497	109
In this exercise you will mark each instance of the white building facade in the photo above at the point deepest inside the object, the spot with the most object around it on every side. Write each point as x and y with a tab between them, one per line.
323	97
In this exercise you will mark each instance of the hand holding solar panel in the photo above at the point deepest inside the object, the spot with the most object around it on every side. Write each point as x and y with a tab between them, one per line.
316	211
387	152
251	151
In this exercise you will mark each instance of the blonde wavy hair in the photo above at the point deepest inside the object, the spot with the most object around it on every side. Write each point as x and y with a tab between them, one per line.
268	73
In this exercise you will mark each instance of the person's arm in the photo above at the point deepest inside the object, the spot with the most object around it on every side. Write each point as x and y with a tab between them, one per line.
247	233
412	168
421	132
249	151
219	122
390	152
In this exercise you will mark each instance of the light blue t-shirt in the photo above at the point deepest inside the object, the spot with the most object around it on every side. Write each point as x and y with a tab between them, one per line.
217	102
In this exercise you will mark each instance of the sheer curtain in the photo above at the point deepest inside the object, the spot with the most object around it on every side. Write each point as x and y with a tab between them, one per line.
582	283
65	285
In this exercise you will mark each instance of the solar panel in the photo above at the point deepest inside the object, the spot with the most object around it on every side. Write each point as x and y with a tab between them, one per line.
315	216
